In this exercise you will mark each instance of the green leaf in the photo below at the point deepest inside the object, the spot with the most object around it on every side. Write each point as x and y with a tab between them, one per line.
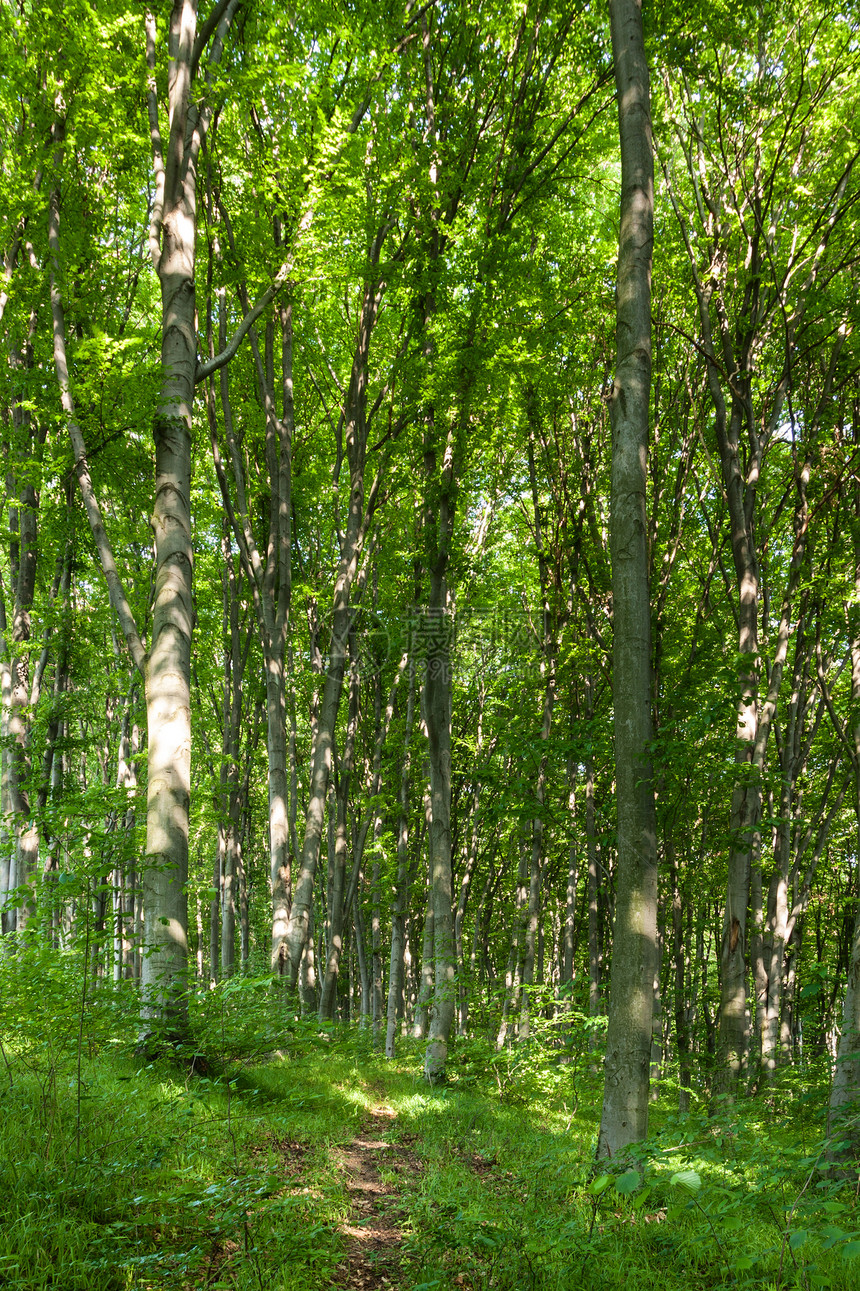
850	1249
744	1262
689	1179
797	1238
628	1182
600	1184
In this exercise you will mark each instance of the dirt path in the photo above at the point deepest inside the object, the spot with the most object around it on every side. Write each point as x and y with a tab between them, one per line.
371	1234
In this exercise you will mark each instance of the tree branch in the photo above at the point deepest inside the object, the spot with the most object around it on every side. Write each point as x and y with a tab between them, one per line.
157	212
206	369
118	598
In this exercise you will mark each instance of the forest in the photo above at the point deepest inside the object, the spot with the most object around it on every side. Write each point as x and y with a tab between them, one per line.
429	644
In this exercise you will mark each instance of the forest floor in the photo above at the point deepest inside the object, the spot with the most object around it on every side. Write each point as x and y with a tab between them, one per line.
322	1167
372	1236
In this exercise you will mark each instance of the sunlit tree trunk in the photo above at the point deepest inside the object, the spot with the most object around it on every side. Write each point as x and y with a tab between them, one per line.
842	1122
438	688
625	1096
425	985
396	964
338	899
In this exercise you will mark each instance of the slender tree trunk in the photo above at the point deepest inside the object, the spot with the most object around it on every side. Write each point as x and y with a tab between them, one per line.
7	863
842	1122
531	922
338	901
625	1096
167	666
460	913
514	969
23	559
425	989
594	974
401	891
569	928
438	686
679	955
360	939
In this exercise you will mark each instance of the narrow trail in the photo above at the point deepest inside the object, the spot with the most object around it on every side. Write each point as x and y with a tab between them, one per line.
371	1233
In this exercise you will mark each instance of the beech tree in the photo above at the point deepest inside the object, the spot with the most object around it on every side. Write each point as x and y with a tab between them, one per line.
628	1042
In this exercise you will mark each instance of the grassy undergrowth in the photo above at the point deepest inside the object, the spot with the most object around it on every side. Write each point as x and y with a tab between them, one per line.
119	1174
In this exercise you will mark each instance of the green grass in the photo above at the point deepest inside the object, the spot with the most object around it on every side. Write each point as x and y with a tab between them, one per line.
120	1175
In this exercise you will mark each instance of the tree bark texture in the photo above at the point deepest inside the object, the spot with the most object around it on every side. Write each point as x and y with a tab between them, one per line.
438	687
168	663
401	887
625	1099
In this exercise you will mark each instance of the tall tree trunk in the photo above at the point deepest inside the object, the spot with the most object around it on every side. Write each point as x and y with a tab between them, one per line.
569	926
516	954
679	954
425	987
166	668
339	903
438	686
401	887
594	982
168	664
7	863
548	672
842	1122
23	559
625	1096
460	913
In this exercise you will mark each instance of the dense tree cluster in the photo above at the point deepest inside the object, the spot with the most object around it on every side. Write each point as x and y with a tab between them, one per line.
307	622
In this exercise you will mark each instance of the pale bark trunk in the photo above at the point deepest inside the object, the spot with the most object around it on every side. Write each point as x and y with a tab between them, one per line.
569	929
514	968
361	958
425	988
679	955
463	984
401	890
308	975
438	686
593	876
7	864
216	903
845	1090
842	1123
376	936
167	667
548	671
235	657
530	932
338	901
625	1097
23	562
